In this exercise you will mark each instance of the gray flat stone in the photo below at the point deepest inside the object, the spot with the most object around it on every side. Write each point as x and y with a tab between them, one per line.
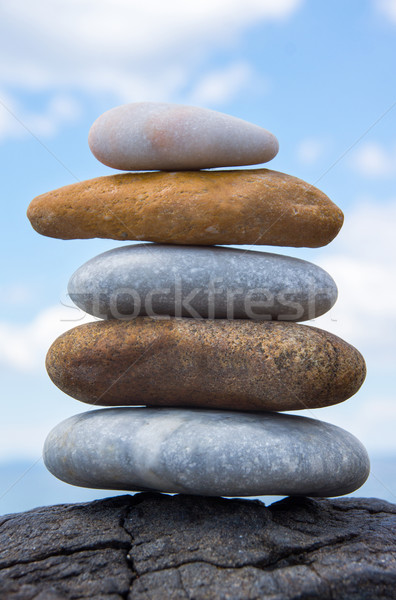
205	452
195	281
151	135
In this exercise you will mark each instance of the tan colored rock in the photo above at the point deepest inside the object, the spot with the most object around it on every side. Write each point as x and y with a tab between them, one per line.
240	365
255	206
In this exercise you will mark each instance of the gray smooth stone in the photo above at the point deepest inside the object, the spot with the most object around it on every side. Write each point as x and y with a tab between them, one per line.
174	137
199	282
205	452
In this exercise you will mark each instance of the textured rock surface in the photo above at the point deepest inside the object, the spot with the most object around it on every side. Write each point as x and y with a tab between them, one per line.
240	364
193	281
154	135
255	206
155	547
213	453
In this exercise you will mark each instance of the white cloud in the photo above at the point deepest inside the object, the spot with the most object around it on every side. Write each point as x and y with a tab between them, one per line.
15	122
373	160
310	150
127	49
364	268
16	294
23	347
222	85
387	8
136	50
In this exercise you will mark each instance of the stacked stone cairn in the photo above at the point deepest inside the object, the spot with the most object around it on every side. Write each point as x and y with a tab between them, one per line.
198	346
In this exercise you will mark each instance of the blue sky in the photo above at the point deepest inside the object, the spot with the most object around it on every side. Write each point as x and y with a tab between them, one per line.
319	75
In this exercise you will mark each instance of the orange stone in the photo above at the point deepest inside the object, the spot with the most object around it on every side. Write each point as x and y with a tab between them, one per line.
255	206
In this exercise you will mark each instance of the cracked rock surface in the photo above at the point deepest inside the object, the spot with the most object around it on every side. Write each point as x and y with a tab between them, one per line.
152	546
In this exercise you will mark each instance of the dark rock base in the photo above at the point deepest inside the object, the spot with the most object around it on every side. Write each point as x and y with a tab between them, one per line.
153	546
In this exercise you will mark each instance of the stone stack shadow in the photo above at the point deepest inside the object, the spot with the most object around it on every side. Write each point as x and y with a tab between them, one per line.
196	348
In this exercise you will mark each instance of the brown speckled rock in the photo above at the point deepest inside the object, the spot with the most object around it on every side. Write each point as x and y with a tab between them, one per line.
241	365
255	206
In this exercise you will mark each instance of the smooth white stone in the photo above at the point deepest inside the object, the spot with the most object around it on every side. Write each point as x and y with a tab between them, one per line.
205	452
149	135
199	282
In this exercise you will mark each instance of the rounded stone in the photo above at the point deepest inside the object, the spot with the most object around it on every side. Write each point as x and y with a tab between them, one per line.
235	364
153	135
211	453
199	282
254	206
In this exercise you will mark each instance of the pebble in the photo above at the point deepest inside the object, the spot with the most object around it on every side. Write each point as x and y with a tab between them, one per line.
148	135
212	453
199	282
255	206
234	364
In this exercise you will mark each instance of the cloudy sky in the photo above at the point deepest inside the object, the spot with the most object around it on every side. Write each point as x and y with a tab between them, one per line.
320	75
